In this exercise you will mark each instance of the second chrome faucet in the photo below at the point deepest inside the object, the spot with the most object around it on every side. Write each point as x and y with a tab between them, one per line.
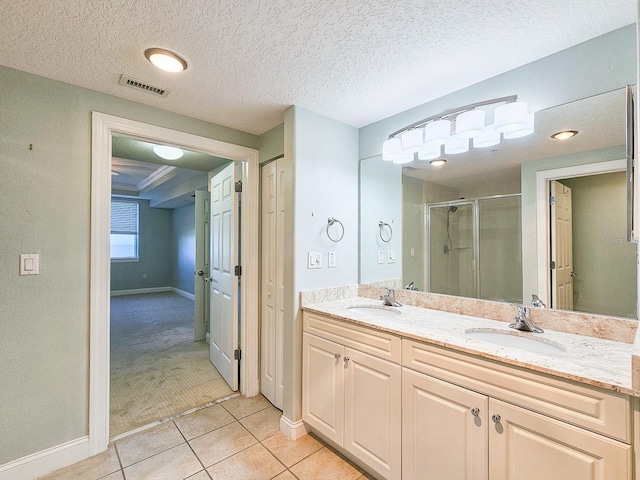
523	322
389	299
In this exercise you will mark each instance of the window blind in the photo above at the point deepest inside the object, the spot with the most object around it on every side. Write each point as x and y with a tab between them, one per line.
124	218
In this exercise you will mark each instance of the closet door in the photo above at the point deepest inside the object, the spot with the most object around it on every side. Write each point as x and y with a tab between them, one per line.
272	282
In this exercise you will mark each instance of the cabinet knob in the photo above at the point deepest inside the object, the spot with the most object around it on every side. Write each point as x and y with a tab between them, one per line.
336	356
346	359
475	412
496	418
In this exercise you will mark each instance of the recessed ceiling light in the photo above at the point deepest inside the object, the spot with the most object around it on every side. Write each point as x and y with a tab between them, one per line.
165	60
439	162
564	134
168	153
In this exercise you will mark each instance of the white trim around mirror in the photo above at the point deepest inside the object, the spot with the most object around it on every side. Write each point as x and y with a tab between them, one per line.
542	213
103	127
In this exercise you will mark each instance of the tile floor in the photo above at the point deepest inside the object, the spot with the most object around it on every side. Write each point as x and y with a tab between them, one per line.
238	439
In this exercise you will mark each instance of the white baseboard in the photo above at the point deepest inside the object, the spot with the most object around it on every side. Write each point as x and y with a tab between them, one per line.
292	430
184	294
137	291
46	461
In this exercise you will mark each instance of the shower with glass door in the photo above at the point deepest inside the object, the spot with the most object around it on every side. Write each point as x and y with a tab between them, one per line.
475	248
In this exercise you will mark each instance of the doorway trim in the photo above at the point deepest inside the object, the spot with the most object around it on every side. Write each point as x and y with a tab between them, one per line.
543	178
103	127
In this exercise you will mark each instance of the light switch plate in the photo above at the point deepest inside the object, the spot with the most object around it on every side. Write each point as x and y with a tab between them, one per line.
29	264
380	257
391	256
315	260
332	259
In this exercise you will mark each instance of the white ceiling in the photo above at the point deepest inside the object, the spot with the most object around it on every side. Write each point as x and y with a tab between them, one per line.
357	61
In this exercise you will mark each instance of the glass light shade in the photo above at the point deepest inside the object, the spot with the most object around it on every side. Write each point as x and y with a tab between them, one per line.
488	138
165	60
456	145
406	157
429	152
437	133
510	117
411	140
168	153
527	130
391	149
470	124
438	163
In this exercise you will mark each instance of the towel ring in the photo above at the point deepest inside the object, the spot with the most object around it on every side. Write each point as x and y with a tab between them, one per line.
330	222
383	237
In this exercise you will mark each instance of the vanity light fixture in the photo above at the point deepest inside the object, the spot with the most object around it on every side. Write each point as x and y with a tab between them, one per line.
457	128
564	134
165	59
168	153
438	163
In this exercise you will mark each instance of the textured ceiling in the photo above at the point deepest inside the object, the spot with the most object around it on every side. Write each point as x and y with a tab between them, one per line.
356	61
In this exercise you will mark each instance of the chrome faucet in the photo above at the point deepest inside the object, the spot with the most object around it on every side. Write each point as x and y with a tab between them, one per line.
536	302
390	299
523	322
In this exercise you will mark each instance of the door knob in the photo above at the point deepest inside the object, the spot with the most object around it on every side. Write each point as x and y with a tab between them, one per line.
496	418
336	356
200	272
346	359
475	412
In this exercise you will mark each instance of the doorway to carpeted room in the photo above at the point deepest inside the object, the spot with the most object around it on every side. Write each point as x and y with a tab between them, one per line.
157	369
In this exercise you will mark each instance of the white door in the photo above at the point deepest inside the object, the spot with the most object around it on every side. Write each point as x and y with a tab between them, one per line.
223	317
561	247
272	283
203	232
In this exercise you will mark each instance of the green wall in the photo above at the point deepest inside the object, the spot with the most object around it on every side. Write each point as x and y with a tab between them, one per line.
45	209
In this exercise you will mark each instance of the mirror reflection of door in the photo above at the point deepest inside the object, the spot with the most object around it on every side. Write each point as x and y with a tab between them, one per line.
561	246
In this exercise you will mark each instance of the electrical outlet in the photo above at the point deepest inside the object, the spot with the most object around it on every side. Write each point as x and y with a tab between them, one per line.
315	260
332	259
391	256
413	252
380	257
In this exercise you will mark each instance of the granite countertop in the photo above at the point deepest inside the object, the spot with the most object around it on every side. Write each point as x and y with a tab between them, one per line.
593	361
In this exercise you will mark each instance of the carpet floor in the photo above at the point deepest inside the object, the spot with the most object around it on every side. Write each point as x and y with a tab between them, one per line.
157	370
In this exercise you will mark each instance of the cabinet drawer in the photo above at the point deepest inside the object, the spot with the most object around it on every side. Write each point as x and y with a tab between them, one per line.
367	340
589	407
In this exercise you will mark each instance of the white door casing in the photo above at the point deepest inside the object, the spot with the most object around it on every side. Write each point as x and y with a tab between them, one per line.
561	247
201	289
103	127
272	283
223	316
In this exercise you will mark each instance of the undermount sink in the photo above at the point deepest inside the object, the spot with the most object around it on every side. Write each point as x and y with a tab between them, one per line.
516	340
374	310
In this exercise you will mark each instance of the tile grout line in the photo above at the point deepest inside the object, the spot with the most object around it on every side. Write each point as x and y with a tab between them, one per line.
192	451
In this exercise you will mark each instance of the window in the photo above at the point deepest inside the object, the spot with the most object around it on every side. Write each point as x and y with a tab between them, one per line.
124	229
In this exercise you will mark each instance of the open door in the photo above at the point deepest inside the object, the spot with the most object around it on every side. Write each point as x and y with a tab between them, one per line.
223	283
561	246
201	290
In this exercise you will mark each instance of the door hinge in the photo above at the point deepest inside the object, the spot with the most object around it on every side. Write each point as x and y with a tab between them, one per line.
239	186
238	270
552	201
553	265
237	354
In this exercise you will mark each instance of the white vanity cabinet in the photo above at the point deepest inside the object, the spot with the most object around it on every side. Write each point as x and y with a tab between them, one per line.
466	430
351	391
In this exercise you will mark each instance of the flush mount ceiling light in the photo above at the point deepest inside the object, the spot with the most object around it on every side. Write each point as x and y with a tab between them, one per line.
564	134
165	60
456	127
438	163
114	173
168	153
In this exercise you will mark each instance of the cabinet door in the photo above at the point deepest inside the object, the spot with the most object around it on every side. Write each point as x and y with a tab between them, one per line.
443	437
323	386
373	412
529	446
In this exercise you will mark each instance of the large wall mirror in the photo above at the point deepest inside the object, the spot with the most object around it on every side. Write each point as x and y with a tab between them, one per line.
483	225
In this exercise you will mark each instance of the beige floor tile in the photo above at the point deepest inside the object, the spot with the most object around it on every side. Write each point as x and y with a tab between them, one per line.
215	446
241	407
92	468
286	475
291	452
203	421
176	463
263	424
254	463
139	446
114	476
326	465
203	475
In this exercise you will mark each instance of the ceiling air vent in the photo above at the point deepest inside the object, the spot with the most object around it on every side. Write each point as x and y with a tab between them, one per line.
133	83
